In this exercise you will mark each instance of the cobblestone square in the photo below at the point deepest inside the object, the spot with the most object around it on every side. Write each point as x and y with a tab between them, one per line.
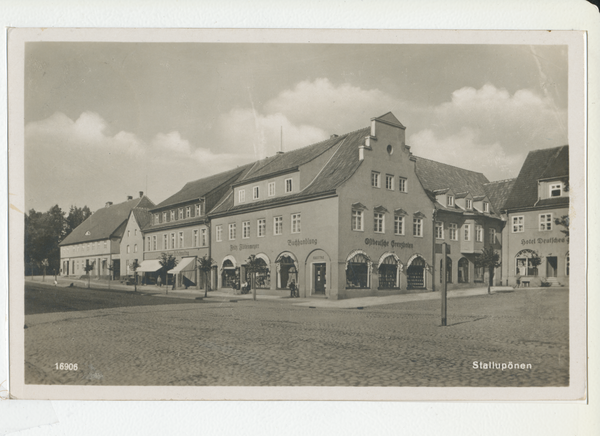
276	342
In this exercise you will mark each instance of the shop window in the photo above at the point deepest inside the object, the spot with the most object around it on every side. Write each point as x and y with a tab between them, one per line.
418	227
357	272
402	184
389	182
219	233
286	271
378	223
232	231
357	220
556	190
545	222
463	270
388	273
518	224
241	195
415	273
261	227
245	229
230	275
278	225
271	189
296	227
478	274
288	185
527	263
375	183
398	225
262	278
479	233
448	270
439	230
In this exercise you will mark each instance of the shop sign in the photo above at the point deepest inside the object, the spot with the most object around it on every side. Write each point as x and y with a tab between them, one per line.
181	253
544	241
298	242
244	247
386	243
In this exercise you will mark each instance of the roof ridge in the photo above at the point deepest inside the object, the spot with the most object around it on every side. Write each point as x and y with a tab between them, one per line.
450	165
501	181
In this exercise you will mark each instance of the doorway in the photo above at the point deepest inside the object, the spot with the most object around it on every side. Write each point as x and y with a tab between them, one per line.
551	266
320	278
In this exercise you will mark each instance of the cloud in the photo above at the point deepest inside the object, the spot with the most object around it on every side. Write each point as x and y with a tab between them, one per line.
172	142
490	128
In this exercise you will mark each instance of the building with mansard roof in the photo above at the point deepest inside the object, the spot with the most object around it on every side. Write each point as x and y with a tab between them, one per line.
100	240
536	247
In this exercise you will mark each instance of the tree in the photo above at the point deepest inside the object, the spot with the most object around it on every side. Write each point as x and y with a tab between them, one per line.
205	265
88	268
76	216
168	262
134	266
535	260
564	222
254	265
490	260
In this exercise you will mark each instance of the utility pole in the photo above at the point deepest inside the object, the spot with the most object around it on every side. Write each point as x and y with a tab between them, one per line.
444	282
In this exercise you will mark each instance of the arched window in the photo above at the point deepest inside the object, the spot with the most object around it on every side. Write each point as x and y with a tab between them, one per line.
448	270
230	275
527	262
286	271
263	275
357	272
388	273
463	270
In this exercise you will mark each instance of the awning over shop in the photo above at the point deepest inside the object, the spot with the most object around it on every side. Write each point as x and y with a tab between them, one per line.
185	264
149	266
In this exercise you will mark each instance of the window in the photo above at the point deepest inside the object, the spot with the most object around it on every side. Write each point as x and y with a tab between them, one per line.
134	232
357	220
518	224
195	238
165	242
148	247
180	245
172	215
402	184
261	227
486	207
135	248
418	227
105	244
197	210
556	190
188	211
439	230
245	229
241	195
271	189
278	225
389	182
357	272
128	249
255	193
288	185
378	223
453	229
399	225
467	232
172	240
203	237
375	179
231	231
154	243
479	233
492	236
181	213
463	270
128	233
296	223
525	264
156	219
450	200
545	222
469	204
219	233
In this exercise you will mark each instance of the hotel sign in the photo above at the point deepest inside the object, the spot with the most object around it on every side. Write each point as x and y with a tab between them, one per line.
544	241
386	243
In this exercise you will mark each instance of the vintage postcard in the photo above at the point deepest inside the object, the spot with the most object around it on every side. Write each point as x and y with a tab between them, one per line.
297	214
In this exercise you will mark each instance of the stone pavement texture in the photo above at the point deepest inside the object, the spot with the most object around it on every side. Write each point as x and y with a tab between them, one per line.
277	342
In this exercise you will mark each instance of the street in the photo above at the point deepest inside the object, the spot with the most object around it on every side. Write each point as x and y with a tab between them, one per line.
275	342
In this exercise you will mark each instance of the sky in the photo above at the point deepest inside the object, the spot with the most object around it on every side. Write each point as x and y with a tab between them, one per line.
107	120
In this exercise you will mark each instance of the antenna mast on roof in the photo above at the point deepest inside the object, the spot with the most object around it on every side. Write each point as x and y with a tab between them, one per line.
281	141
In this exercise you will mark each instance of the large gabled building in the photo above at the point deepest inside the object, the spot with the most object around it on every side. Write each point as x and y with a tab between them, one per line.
539	197
97	241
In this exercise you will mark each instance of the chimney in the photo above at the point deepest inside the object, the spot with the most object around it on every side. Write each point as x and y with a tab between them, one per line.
108	204
129	197
334	135
141	194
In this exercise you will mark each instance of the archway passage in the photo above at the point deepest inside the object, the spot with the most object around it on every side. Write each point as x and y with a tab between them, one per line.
415	274
388	273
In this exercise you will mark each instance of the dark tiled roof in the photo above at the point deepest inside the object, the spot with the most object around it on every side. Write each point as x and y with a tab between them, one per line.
539	164
337	170
105	222
199	188
435	176
498	192
554	202
142	216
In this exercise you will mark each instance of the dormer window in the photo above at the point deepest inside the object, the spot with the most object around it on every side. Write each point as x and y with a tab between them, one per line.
556	190
486	207
172	215
468	204
164	217
255	193
450	200
241	195
88	233
156	220
288	185
271	189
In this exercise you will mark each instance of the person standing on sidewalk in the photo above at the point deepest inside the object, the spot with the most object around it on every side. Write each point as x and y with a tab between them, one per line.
159	282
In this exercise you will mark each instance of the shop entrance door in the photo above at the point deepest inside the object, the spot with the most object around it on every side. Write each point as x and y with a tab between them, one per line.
320	278
551	266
